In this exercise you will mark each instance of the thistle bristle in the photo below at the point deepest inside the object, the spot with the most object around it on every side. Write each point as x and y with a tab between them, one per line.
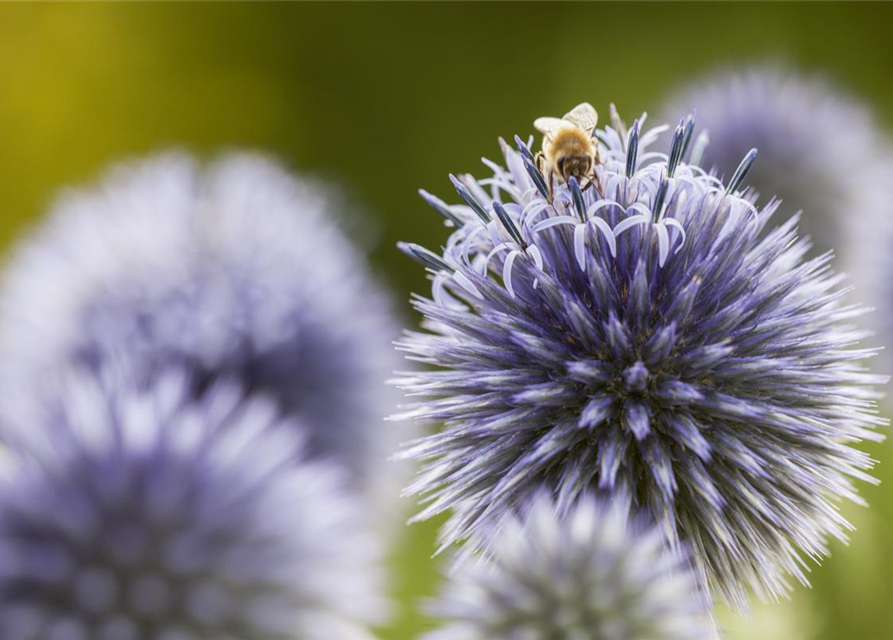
676	148
423	256
657	209
524	149
440	207
632	150
689	129
470	200
508	223
741	172
538	180
577	194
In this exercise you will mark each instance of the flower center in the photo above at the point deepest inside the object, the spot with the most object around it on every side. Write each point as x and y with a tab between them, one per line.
635	377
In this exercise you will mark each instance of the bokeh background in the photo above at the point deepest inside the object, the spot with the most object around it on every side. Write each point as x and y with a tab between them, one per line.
387	98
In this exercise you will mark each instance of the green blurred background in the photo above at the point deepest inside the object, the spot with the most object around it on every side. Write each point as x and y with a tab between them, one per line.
387	98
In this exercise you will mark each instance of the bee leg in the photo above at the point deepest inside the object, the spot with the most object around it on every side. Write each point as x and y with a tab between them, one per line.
540	160
595	180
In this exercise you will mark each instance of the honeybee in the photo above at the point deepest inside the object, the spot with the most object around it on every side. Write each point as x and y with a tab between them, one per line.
568	146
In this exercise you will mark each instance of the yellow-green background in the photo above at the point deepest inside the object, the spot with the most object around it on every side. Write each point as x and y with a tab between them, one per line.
387	98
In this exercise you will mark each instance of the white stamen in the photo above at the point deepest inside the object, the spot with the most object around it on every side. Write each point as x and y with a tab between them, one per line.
467	284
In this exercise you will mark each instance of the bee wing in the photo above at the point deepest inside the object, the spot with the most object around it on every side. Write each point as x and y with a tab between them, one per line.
548	125
583	116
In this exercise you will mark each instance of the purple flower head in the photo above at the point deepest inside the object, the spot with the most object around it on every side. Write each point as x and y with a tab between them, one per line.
595	575
238	270
652	334
143	513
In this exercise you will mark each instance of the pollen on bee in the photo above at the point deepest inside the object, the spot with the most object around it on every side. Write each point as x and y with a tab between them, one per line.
572	140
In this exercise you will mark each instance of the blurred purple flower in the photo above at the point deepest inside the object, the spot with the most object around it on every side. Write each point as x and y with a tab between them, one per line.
821	152
596	575
652	335
145	513
236	270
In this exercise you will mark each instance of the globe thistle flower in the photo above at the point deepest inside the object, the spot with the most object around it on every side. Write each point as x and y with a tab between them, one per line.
594	575
144	513
236	270
651	334
806	130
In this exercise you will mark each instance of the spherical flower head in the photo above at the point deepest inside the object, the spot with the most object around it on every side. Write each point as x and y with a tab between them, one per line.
141	513
821	152
593	575
236	269
650	334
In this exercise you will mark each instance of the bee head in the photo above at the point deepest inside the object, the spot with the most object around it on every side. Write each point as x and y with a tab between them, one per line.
577	166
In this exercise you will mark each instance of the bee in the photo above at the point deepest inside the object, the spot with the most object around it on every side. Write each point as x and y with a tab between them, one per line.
569	148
